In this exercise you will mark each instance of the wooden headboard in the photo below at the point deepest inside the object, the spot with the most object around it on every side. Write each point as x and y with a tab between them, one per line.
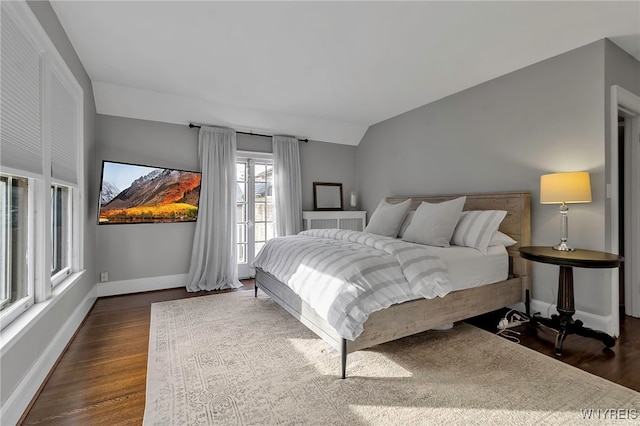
516	224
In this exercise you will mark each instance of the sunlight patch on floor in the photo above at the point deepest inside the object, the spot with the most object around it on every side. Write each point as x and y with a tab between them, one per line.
328	362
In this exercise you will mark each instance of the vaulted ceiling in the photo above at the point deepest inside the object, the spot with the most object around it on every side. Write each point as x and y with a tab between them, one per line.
322	70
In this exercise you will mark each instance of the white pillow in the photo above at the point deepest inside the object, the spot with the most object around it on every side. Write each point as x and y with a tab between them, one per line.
501	239
405	223
433	224
387	218
475	228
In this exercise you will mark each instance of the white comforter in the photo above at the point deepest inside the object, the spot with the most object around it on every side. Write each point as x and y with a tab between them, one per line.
347	275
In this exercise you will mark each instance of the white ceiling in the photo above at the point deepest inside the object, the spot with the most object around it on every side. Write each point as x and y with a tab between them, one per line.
322	70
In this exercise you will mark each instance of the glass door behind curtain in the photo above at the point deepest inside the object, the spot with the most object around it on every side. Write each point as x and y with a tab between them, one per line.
255	209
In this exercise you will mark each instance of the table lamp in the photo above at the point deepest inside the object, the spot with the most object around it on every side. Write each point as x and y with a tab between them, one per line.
565	188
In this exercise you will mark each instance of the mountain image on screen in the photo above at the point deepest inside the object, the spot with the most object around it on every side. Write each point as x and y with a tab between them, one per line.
163	195
108	192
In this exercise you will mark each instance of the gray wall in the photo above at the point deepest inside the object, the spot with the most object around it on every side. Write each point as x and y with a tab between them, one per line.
501	136
327	162
131	251
145	250
621	69
18	360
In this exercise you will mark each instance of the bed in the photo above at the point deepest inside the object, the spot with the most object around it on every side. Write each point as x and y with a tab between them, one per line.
415	316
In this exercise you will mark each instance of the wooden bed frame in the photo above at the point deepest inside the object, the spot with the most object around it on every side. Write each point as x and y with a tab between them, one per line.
419	315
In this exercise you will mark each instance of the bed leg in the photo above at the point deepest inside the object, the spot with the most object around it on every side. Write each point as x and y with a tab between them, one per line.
344	358
255	289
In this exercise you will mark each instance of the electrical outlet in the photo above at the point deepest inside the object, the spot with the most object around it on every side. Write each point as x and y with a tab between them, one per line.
104	277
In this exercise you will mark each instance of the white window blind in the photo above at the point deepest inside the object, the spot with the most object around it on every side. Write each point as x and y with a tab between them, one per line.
20	98
41	146
64	125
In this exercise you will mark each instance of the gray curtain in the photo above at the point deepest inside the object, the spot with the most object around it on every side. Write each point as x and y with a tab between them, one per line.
287	186
213	258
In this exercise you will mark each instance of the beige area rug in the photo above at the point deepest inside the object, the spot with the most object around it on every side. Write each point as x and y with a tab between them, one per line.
231	359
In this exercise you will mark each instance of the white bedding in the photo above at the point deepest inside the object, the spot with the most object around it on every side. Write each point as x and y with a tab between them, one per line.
347	275
469	268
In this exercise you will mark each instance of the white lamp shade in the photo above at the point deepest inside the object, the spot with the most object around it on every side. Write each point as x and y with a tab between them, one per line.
567	187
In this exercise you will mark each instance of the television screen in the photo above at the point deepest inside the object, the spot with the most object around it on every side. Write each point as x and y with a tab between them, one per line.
131	193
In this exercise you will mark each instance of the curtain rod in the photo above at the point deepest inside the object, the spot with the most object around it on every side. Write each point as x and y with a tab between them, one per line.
191	126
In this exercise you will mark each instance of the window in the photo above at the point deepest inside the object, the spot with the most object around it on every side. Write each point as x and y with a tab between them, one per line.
41	165
255	209
60	233
14	280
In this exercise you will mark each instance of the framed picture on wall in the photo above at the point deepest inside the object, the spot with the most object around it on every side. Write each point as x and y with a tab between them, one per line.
134	193
327	196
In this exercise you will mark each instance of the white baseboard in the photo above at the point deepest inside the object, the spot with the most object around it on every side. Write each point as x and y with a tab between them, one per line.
139	285
596	322
20	398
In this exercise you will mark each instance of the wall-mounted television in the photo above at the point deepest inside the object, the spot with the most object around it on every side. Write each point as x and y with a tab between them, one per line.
134	193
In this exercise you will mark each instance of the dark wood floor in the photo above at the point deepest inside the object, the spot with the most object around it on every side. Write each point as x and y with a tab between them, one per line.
621	364
101	377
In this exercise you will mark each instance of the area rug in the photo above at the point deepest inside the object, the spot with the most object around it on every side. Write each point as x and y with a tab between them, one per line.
232	359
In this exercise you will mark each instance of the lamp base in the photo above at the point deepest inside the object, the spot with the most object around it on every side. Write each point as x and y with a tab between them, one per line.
563	246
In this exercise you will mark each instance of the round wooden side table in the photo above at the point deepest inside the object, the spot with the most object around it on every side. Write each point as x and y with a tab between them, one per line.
566	260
